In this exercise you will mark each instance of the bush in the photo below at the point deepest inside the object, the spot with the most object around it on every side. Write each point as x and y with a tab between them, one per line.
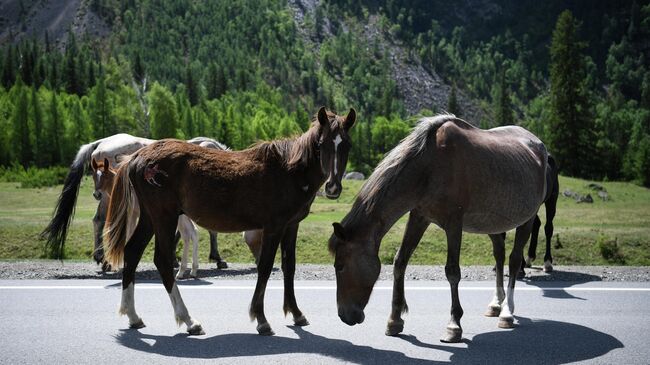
33	177
610	250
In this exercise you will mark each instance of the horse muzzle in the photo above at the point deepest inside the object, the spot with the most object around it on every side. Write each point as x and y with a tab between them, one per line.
351	316
332	190
97	195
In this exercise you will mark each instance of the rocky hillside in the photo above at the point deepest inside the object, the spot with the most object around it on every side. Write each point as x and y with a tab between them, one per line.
418	87
21	19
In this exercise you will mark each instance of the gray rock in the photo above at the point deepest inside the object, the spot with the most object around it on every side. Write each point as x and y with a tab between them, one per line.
603	195
585	199
354	175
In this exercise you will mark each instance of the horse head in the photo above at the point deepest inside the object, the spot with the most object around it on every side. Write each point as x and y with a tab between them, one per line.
334	148
103	175
357	269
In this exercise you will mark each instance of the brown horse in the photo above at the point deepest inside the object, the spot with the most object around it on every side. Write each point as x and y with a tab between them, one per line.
459	177
269	186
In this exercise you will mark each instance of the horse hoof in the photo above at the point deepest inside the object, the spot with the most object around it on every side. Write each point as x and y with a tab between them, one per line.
394	328
137	325
493	311
506	322
181	275
194	274
222	265
264	329
301	321
195	330
521	275
453	334
548	267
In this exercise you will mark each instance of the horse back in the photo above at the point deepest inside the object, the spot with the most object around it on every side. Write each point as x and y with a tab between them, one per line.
497	177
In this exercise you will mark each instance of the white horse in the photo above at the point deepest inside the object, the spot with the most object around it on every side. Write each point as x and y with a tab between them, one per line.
104	156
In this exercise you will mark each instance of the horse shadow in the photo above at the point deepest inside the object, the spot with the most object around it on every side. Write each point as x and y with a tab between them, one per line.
246	345
564	342
559	280
554	343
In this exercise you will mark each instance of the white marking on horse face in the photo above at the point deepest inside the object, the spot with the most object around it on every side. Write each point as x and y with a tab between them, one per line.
337	141
305	188
99	176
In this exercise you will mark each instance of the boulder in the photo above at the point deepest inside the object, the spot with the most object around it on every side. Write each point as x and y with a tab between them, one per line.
354	175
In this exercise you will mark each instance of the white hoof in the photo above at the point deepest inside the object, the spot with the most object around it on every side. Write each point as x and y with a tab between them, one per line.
194	273
506	322
548	266
493	311
453	334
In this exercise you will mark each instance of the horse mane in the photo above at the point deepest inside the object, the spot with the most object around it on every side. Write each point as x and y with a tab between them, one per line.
394	162
293	152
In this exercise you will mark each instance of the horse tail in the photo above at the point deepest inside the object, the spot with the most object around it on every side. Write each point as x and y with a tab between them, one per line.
120	209
56	231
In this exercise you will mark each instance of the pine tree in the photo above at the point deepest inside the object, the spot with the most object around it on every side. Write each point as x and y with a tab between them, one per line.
163	113
138	69
216	83
8	71
503	113
100	109
72	82
571	120
40	143
191	86
21	126
56	130
452	103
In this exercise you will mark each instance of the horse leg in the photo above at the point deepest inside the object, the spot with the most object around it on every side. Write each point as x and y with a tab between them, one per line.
551	204
415	228
454	331
288	246
132	255
270	242
532	247
195	250
499	253
506	320
254	241
98	225
214	251
164	260
185	233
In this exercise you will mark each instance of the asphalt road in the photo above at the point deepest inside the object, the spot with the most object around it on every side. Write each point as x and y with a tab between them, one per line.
76	322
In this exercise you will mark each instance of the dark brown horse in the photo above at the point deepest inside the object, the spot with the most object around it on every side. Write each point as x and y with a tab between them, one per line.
459	177
269	186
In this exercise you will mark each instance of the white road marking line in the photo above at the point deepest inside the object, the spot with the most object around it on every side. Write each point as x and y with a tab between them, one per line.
252	287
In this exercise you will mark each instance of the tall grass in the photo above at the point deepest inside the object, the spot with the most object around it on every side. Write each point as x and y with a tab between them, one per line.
33	177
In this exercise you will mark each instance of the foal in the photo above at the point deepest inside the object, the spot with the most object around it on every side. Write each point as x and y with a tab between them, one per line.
269	186
459	177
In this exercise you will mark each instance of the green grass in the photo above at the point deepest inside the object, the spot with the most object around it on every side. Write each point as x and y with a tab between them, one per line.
580	227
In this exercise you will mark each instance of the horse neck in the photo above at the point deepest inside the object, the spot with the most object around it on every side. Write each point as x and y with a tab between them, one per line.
374	221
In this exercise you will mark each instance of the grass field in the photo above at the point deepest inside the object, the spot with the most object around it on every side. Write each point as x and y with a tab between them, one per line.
581	228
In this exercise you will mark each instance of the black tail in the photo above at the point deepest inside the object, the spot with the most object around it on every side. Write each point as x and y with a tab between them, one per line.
55	232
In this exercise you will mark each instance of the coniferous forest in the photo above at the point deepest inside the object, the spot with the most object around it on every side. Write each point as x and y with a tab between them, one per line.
576	73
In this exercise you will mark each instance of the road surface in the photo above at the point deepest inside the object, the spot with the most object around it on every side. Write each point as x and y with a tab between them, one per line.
76	322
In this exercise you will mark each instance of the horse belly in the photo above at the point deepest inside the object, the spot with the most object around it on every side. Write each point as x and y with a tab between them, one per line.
510	199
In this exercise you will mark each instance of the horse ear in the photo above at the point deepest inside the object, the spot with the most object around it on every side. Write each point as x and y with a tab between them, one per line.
323	119
106	164
93	164
350	119
339	231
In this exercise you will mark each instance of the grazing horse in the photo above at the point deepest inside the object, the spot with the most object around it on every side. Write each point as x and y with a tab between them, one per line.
269	186
459	177
104	152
